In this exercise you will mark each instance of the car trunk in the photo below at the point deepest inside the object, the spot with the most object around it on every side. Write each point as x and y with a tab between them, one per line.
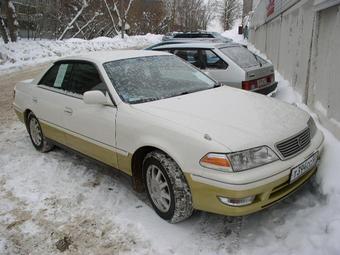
258	72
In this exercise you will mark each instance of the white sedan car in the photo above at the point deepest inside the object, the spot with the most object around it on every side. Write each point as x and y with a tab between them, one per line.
189	142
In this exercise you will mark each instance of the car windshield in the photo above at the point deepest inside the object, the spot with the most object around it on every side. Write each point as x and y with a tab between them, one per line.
243	57
144	79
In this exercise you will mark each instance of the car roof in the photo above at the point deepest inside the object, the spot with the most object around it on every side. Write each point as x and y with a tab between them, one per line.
101	57
198	45
198	39
195	33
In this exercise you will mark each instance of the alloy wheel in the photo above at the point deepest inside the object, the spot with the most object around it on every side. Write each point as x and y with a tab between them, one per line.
158	188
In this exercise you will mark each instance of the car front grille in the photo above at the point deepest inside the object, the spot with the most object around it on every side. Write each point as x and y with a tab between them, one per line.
295	144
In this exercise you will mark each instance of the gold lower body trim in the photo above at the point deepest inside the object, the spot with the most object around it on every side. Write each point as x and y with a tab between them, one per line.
90	149
20	115
205	197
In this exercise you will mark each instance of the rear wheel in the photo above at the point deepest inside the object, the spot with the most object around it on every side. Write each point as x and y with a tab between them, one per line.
166	187
37	137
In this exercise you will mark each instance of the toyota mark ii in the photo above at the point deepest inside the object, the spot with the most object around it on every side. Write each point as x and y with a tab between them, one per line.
189	142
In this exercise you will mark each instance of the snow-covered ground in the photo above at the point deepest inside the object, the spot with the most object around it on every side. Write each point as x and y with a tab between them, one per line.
31	52
47	197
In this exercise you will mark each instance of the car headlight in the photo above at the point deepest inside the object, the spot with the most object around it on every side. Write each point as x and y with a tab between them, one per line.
247	159
239	161
312	126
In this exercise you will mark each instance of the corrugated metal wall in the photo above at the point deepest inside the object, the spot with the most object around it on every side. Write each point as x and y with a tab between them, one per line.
302	39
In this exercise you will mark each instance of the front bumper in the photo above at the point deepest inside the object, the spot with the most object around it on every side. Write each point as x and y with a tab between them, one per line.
208	186
205	196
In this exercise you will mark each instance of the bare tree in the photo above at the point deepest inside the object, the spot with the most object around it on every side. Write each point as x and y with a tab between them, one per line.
112	19
122	14
189	15
148	17
9	29
3	30
60	19
230	11
74	19
80	29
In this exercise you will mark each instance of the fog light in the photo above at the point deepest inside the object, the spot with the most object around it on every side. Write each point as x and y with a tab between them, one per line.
237	201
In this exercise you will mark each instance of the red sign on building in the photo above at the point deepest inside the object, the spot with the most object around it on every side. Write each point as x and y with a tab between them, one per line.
270	7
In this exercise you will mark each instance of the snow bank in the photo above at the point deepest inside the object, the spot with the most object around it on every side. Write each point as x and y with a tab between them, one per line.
233	33
29	52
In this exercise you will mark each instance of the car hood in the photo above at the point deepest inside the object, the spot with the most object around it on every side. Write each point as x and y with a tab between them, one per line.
235	118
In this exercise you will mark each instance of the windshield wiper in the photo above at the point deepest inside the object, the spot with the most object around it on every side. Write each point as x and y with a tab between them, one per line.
257	59
188	92
144	100
216	85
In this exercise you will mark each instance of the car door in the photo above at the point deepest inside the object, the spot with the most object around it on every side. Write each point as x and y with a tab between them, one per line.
90	127
48	100
214	66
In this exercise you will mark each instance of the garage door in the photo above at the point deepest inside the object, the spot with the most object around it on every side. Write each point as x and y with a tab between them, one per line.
326	76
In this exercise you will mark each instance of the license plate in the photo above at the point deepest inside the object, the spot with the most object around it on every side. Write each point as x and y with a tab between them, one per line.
303	168
262	82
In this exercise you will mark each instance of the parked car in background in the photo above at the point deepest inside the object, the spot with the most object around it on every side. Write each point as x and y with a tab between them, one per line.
191	143
230	64
202	35
178	41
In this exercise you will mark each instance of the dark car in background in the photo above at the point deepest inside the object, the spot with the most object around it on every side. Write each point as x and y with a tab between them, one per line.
202	35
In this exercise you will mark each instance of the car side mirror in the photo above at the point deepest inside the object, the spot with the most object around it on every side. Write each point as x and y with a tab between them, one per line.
95	97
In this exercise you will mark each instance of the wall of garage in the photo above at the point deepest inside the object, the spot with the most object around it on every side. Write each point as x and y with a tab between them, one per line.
302	39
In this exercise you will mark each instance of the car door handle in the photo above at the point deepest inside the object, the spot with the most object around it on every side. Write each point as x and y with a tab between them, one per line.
68	110
35	100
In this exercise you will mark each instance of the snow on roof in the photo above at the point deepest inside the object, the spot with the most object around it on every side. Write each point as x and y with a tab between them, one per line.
106	56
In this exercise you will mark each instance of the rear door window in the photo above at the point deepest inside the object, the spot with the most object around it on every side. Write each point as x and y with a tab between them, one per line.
85	77
58	76
190	55
212	61
243	57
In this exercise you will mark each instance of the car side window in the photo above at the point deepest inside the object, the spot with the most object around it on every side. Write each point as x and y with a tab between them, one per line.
192	56
58	76
85	77
212	61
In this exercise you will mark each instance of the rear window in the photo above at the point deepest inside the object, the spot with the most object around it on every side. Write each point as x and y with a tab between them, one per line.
193	36
243	57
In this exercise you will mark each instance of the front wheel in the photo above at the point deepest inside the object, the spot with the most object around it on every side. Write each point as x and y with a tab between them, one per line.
166	187
37	137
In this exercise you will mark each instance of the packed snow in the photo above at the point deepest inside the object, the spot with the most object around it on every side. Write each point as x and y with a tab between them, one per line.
31	52
45	198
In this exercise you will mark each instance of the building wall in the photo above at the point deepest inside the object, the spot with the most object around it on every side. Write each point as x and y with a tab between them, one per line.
302	39
324	94
247	7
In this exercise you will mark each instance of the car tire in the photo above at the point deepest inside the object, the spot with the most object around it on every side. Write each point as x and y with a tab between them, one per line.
37	137
166	187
